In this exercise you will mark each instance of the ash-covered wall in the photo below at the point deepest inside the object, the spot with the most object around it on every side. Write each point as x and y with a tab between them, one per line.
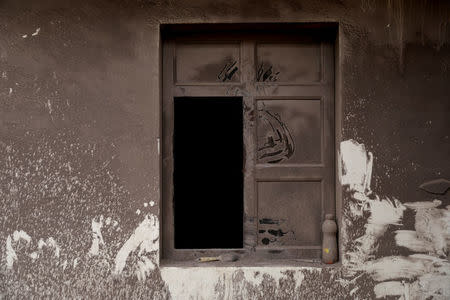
80	164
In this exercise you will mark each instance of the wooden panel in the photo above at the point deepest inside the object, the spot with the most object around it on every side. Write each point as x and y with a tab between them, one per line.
290	131
289	213
294	63
271	172
207	63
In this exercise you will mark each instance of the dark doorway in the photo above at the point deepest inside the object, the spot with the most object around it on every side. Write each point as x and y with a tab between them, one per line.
208	175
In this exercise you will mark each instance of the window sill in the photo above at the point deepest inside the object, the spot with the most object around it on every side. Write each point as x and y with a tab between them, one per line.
251	263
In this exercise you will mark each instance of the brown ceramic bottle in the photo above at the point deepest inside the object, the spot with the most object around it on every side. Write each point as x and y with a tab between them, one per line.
329	243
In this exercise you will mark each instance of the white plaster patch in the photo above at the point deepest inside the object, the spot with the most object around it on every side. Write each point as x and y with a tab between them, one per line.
194	283
423	204
385	212
398	267
201	282
356	166
389	288
145	240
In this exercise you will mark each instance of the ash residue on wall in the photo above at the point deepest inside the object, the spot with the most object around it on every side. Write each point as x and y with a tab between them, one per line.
79	162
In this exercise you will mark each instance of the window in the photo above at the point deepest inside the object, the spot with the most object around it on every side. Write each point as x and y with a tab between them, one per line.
248	141
207	173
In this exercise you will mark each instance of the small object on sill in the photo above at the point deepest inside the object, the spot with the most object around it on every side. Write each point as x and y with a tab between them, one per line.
229	257
329	242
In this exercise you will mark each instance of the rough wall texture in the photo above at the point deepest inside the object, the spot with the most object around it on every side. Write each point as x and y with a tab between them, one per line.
79	162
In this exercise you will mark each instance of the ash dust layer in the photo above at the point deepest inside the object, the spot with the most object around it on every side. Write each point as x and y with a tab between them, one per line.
69	224
66	230
118	260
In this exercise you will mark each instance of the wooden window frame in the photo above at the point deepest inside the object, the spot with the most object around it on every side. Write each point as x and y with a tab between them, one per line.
250	91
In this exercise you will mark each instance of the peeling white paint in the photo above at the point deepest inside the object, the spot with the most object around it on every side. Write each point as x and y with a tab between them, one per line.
64	264
11	255
36	32
48	104
409	239
353	291
432	225
145	240
431	274
41	243
21	235
399	267
382	213
97	238
427	275
50	243
423	204
356	174
390	288
434	286
158	142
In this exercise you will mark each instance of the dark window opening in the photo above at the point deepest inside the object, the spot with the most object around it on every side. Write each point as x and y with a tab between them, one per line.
208	175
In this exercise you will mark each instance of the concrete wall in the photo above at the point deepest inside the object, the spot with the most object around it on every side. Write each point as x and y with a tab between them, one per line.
79	161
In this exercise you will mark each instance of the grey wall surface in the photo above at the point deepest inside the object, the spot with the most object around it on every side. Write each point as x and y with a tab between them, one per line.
80	165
